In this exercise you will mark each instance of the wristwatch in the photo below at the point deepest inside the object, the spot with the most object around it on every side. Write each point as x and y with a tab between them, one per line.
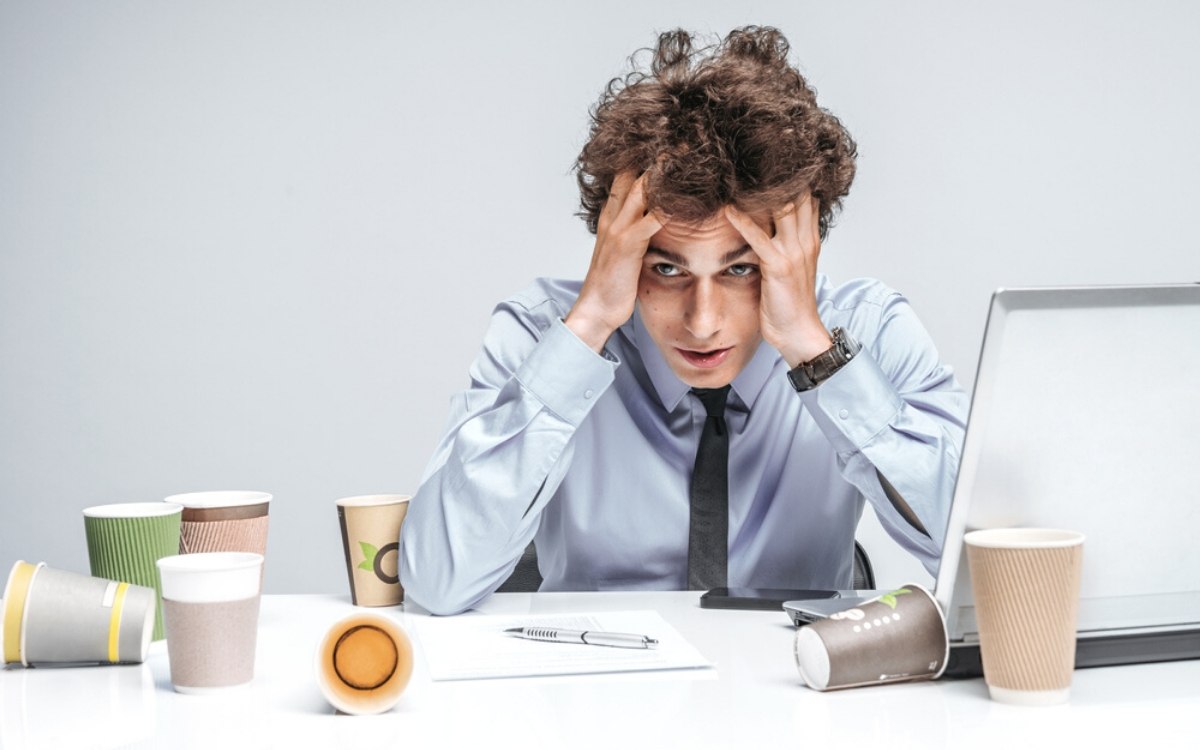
810	374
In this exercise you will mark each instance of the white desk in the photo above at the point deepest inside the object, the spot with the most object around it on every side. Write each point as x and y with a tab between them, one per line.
754	698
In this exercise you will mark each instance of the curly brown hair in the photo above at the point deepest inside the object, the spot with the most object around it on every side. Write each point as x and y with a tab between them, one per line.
731	123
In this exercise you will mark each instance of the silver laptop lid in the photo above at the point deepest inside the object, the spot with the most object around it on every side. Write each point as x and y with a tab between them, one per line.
1086	416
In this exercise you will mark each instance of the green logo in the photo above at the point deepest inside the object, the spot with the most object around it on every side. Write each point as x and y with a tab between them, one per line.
890	599
369	552
374	560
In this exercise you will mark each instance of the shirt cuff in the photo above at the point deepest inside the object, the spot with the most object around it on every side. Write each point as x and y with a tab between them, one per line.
854	404
565	374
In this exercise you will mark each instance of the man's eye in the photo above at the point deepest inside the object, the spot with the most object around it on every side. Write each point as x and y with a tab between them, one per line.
666	269
742	269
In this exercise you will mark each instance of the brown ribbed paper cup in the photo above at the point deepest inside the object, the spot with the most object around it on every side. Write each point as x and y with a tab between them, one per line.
1026	585
371	540
223	521
896	637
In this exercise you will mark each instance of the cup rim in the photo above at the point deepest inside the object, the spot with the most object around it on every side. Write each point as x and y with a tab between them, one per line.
1023	538
132	510
363	501
209	562
219	498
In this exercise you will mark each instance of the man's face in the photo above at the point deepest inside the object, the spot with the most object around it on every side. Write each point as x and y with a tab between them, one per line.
698	295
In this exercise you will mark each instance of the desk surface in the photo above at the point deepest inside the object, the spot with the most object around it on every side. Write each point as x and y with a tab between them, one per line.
753	698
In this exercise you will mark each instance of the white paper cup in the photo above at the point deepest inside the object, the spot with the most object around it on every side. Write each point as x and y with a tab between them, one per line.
210	600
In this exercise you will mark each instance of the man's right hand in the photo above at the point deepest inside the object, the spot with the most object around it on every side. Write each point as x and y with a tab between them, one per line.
610	290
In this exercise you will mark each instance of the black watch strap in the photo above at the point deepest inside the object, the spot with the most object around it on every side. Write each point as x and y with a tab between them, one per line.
808	375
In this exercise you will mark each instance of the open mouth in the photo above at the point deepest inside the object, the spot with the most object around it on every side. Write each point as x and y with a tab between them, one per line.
705	360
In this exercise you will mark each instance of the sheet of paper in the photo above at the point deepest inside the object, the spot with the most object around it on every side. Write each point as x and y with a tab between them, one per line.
471	647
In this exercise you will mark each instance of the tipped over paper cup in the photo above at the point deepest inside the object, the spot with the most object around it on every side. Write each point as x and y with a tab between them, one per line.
896	637
363	664
56	617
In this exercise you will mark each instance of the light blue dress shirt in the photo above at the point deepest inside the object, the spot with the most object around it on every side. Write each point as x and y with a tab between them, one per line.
591	457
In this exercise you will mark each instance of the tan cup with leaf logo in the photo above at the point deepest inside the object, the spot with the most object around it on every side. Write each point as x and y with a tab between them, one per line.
371	539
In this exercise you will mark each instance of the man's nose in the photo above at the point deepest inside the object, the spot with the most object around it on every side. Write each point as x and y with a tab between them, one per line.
704	310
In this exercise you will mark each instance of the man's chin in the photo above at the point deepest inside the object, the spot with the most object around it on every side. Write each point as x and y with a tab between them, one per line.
715	378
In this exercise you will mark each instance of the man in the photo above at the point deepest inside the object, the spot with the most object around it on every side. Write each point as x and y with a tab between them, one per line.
705	408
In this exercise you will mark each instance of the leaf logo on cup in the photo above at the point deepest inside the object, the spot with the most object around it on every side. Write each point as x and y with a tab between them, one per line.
373	560
890	599
857	614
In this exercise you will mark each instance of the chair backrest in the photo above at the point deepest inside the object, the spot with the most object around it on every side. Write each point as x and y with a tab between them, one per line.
527	577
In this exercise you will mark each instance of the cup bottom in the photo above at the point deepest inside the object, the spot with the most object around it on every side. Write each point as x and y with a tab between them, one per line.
1029	697
212	690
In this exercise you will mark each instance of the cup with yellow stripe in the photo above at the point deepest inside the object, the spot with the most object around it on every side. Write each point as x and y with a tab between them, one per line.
55	617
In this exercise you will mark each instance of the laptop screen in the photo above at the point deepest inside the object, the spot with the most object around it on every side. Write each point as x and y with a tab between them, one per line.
1086	416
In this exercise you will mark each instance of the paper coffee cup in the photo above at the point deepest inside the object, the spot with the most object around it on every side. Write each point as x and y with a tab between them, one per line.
363	664
896	637
210	600
1026	586
55	617
125	540
223	521
371	541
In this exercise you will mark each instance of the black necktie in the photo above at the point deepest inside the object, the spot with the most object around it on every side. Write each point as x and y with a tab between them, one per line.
708	536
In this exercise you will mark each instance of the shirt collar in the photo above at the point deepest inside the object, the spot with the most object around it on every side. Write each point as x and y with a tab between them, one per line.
670	389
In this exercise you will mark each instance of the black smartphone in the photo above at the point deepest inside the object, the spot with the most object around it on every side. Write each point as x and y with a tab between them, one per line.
768	599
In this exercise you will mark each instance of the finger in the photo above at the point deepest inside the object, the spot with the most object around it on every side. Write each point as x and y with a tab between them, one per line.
759	241
646	226
619	190
634	206
808	223
785	223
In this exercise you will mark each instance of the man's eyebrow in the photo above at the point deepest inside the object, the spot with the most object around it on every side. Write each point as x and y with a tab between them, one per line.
678	260
667	255
733	255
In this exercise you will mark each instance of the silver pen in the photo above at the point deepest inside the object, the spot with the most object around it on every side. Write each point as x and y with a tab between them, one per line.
590	637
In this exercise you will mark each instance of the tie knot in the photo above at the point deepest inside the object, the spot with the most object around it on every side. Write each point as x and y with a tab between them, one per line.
713	399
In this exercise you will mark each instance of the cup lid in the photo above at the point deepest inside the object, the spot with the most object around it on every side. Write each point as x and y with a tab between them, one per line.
219	498
1023	538
211	576
368	500
132	510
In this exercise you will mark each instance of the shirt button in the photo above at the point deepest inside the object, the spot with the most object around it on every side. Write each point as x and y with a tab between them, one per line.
587	393
843	414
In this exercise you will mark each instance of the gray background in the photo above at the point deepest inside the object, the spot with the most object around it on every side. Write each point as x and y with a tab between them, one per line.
255	245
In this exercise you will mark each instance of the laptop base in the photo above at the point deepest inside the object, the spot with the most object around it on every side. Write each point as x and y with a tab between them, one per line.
1100	651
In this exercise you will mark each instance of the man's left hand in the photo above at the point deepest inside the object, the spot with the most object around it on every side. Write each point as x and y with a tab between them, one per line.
787	309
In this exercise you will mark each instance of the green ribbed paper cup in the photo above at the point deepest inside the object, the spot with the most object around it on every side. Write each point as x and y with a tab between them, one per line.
125	542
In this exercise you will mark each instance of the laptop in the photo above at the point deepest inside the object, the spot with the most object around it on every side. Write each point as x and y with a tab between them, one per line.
1086	416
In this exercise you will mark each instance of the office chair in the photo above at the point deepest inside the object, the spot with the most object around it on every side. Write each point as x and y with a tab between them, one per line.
526	576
